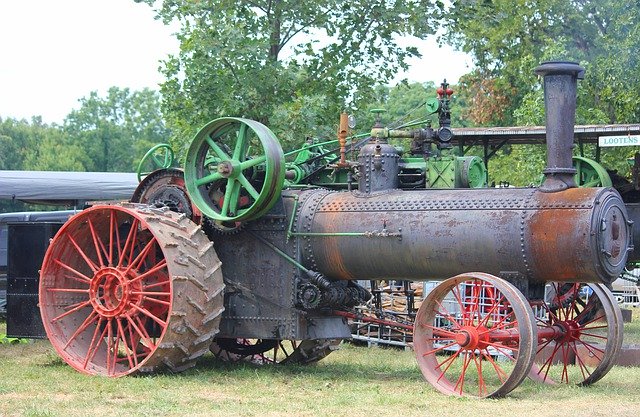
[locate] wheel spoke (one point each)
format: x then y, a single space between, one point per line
448 315
449 361
502 375
217 150
499 348
91 352
143 335
129 242
114 236
252 162
85 324
68 268
150 293
73 310
239 150
228 196
121 334
97 242
482 387
76 279
549 361
463 311
141 256
84 256
433 351
247 186
581 364
501 324
155 300
110 349
150 315
463 373
591 348
70 290
439 330
216 176
496 304
158 267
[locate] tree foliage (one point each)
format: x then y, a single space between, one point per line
293 65
509 38
115 131
107 133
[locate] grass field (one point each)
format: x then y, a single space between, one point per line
354 382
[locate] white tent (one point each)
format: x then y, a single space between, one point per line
50 186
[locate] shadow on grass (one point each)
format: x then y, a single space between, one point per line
209 366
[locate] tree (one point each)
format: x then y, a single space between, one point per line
509 38
293 65
115 131
21 140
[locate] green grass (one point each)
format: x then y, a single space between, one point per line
354 381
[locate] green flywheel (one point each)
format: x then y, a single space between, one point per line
589 173
234 170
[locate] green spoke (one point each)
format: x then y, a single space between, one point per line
252 162
239 150
231 186
247 186
235 198
217 149
209 179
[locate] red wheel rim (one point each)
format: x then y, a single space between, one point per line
580 335
105 291
474 336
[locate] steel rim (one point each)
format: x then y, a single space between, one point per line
474 336
235 169
591 337
106 293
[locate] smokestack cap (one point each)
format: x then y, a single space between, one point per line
559 68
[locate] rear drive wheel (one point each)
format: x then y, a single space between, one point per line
129 288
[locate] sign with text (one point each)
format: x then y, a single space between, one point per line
627 140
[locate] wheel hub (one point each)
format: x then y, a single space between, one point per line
472 338
111 292
571 329
229 169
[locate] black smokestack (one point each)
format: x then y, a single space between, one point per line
560 84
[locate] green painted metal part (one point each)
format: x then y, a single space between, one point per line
590 173
432 105
450 171
161 160
312 165
471 172
234 170
441 172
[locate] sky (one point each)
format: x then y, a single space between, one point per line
54 52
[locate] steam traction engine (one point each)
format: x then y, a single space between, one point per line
250 256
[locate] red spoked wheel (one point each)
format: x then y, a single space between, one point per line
273 351
130 288
474 336
580 334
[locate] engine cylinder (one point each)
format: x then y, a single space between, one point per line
576 235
